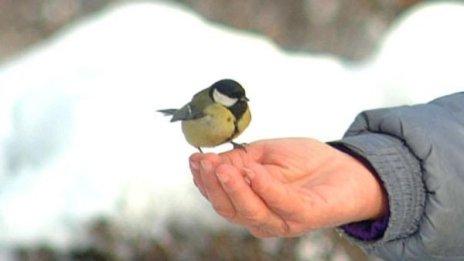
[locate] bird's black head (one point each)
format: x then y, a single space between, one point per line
228 92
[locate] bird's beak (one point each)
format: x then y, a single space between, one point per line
245 99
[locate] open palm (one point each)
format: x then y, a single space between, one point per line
287 187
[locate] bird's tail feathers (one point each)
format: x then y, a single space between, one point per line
168 112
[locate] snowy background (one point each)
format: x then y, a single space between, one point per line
79 132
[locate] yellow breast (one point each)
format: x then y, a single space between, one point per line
215 128
243 122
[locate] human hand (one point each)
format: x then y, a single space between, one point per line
288 187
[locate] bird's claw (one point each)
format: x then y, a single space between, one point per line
239 145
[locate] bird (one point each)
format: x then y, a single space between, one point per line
215 115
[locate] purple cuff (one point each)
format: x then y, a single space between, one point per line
367 230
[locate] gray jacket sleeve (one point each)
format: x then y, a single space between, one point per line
418 154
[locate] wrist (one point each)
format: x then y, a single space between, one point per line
369 198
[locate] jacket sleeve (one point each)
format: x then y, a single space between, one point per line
418 154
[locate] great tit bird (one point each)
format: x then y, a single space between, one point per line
214 116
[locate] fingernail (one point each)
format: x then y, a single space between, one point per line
223 177
205 165
194 165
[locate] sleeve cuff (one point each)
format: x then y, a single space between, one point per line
399 171
367 230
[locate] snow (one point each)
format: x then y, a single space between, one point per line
79 132
422 58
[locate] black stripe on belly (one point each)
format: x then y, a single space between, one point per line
237 110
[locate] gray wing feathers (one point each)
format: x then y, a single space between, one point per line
192 110
185 113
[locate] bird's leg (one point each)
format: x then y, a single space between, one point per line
239 145
199 149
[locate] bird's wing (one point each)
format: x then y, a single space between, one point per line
194 109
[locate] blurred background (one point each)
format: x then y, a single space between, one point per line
90 171
348 29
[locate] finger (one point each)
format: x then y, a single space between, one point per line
196 169
273 192
212 187
199 184
194 163
234 157
250 209
252 152
260 232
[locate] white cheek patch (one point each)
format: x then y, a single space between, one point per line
223 99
